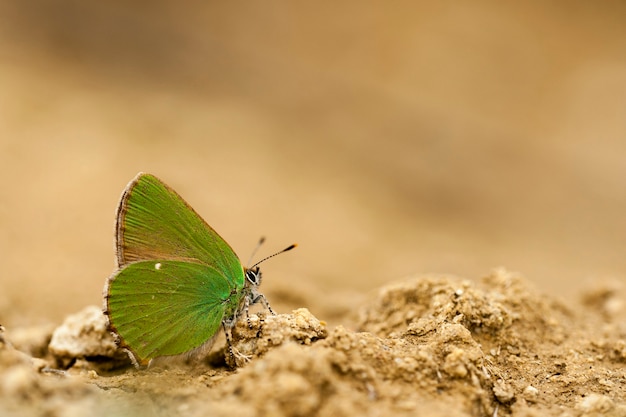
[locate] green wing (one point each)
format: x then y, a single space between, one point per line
155 223
166 307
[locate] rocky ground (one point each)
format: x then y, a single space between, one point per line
431 345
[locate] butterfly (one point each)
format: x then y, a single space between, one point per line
177 281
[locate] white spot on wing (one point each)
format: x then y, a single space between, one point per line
157 266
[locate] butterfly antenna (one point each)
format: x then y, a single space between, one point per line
256 249
288 248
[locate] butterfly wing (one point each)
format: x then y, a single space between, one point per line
154 222
161 308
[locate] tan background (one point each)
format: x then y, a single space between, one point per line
385 138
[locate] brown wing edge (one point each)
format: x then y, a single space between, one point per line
120 213
119 220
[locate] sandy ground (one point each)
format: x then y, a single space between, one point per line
409 150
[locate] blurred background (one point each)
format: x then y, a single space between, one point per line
386 138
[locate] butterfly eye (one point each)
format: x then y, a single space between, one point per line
253 275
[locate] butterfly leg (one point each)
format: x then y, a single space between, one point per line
229 345
234 356
260 298
246 308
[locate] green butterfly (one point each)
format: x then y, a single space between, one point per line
177 281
